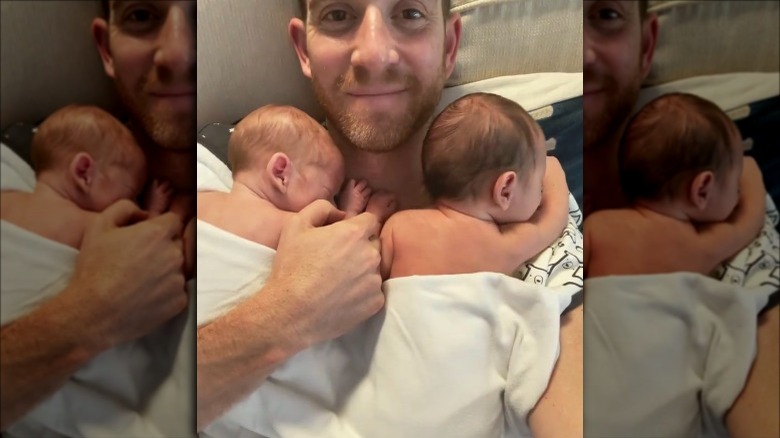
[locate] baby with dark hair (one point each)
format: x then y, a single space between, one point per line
484 165
695 200
84 160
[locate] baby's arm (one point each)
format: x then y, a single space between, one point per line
158 198
721 240
524 240
354 197
357 197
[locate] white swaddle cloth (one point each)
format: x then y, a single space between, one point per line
140 388
668 354
463 349
460 355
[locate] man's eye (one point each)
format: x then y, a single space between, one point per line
608 14
139 15
335 16
412 14
140 19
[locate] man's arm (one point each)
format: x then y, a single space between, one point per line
754 413
526 239
722 240
324 281
559 412
127 281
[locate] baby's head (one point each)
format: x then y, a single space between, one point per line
286 154
682 149
486 149
89 155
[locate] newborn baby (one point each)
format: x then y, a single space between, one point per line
695 200
282 160
84 160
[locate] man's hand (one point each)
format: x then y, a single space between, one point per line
130 277
327 276
324 281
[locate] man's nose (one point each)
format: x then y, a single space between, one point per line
375 45
176 50
588 52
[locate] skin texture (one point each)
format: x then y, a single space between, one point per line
661 238
618 52
376 49
128 278
628 55
449 239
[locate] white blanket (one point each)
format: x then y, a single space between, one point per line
461 355
141 388
666 355
447 356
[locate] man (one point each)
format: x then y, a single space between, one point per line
378 68
619 42
128 279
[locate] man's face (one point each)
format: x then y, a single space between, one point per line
148 48
378 66
617 56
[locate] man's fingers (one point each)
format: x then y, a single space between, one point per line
171 223
319 213
369 223
123 212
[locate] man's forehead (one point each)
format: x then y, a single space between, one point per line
318 4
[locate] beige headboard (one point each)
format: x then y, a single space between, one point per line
704 37
48 59
245 58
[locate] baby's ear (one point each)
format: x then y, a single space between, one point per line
701 189
82 170
280 169
504 189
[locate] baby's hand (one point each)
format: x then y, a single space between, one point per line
382 205
354 197
159 197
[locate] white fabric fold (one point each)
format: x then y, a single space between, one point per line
140 388
666 354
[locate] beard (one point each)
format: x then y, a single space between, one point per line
374 131
167 128
618 100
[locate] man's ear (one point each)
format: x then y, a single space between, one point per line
504 189
280 169
649 39
82 170
452 34
701 189
100 35
297 31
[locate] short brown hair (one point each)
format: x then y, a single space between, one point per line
303 6
81 128
643 9
671 140
473 141
274 128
